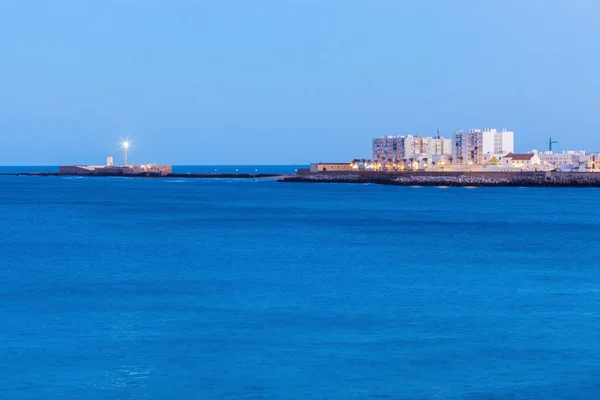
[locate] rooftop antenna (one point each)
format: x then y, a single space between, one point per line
550 143
126 144
438 132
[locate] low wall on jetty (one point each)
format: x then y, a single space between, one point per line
438 178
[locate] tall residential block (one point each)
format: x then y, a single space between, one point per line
409 146
479 146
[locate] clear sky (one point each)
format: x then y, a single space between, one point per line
289 81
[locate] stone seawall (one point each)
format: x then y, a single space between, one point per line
518 179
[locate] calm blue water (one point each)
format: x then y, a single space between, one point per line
183 169
221 289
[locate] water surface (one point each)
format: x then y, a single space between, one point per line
181 169
251 289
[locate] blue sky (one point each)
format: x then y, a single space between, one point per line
289 81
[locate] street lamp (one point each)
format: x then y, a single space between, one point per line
442 164
470 166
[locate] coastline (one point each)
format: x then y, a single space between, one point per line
482 179
152 175
411 178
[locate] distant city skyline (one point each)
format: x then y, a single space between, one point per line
289 82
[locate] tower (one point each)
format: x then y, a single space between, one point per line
126 144
438 132
109 161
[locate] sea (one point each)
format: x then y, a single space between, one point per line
133 288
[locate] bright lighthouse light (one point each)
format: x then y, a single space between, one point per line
126 144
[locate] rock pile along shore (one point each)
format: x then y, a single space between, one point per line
541 179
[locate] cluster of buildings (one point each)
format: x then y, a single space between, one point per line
410 146
110 169
474 147
116 170
472 150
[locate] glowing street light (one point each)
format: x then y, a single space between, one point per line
470 165
126 144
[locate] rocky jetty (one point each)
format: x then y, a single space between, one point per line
152 175
514 179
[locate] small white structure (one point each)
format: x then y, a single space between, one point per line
526 162
109 161
495 162
332 167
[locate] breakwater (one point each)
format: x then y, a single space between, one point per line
514 179
153 175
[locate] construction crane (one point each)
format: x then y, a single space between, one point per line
550 143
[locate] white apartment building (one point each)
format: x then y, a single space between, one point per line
388 147
440 147
479 146
409 146
416 146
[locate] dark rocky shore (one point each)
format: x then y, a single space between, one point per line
507 179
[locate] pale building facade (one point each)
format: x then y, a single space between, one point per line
404 148
558 160
583 163
388 147
440 147
478 146
416 147
325 167
526 162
